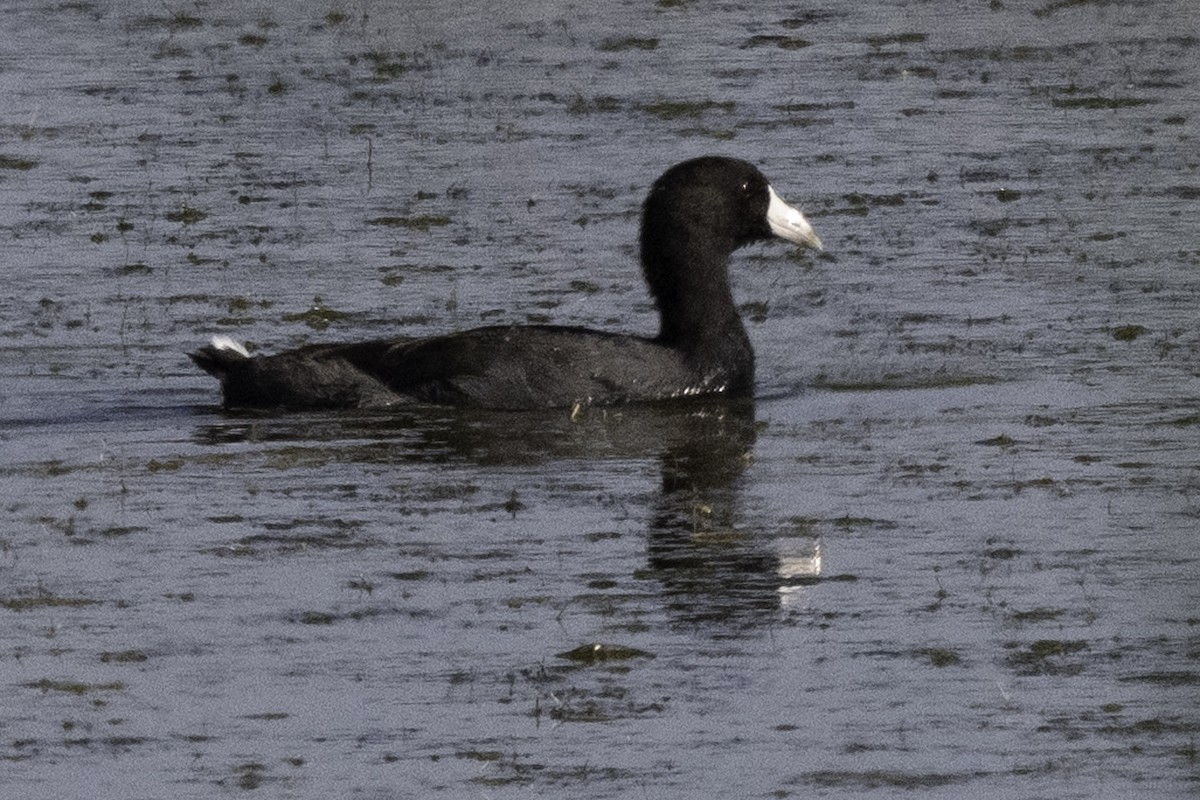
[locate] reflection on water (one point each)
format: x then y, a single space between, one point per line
714 563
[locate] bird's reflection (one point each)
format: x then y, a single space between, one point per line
717 563
714 561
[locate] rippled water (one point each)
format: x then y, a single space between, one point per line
950 551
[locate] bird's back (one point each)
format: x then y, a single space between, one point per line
502 367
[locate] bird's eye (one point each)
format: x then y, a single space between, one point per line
746 187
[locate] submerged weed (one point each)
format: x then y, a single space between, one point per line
583 105
44 599
590 654
586 287
317 316
186 215
1035 615
1058 5
880 779
681 109
891 381
1003 440
421 222
181 21
361 585
414 575
615 45
1045 657
896 38
1165 678
938 656
755 310
1127 333
782 42
250 776
1101 103
387 66
74 687
17 163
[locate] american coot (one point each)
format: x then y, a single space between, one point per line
695 216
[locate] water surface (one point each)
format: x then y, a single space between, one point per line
950 551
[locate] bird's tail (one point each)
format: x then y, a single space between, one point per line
220 356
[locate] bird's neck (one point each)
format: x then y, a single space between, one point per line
690 284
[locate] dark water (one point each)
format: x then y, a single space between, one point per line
951 551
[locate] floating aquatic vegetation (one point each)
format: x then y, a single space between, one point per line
250 776
45 600
881 779
782 42
421 222
617 44
387 66
1105 103
1164 678
113 531
413 575
583 105
74 687
317 316
1035 615
893 381
937 656
1127 333
98 201
858 199
587 287
1003 440
679 109
600 653
990 227
1059 5
186 215
179 21
896 38
755 310
1045 657
17 163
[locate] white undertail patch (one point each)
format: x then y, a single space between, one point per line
223 342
